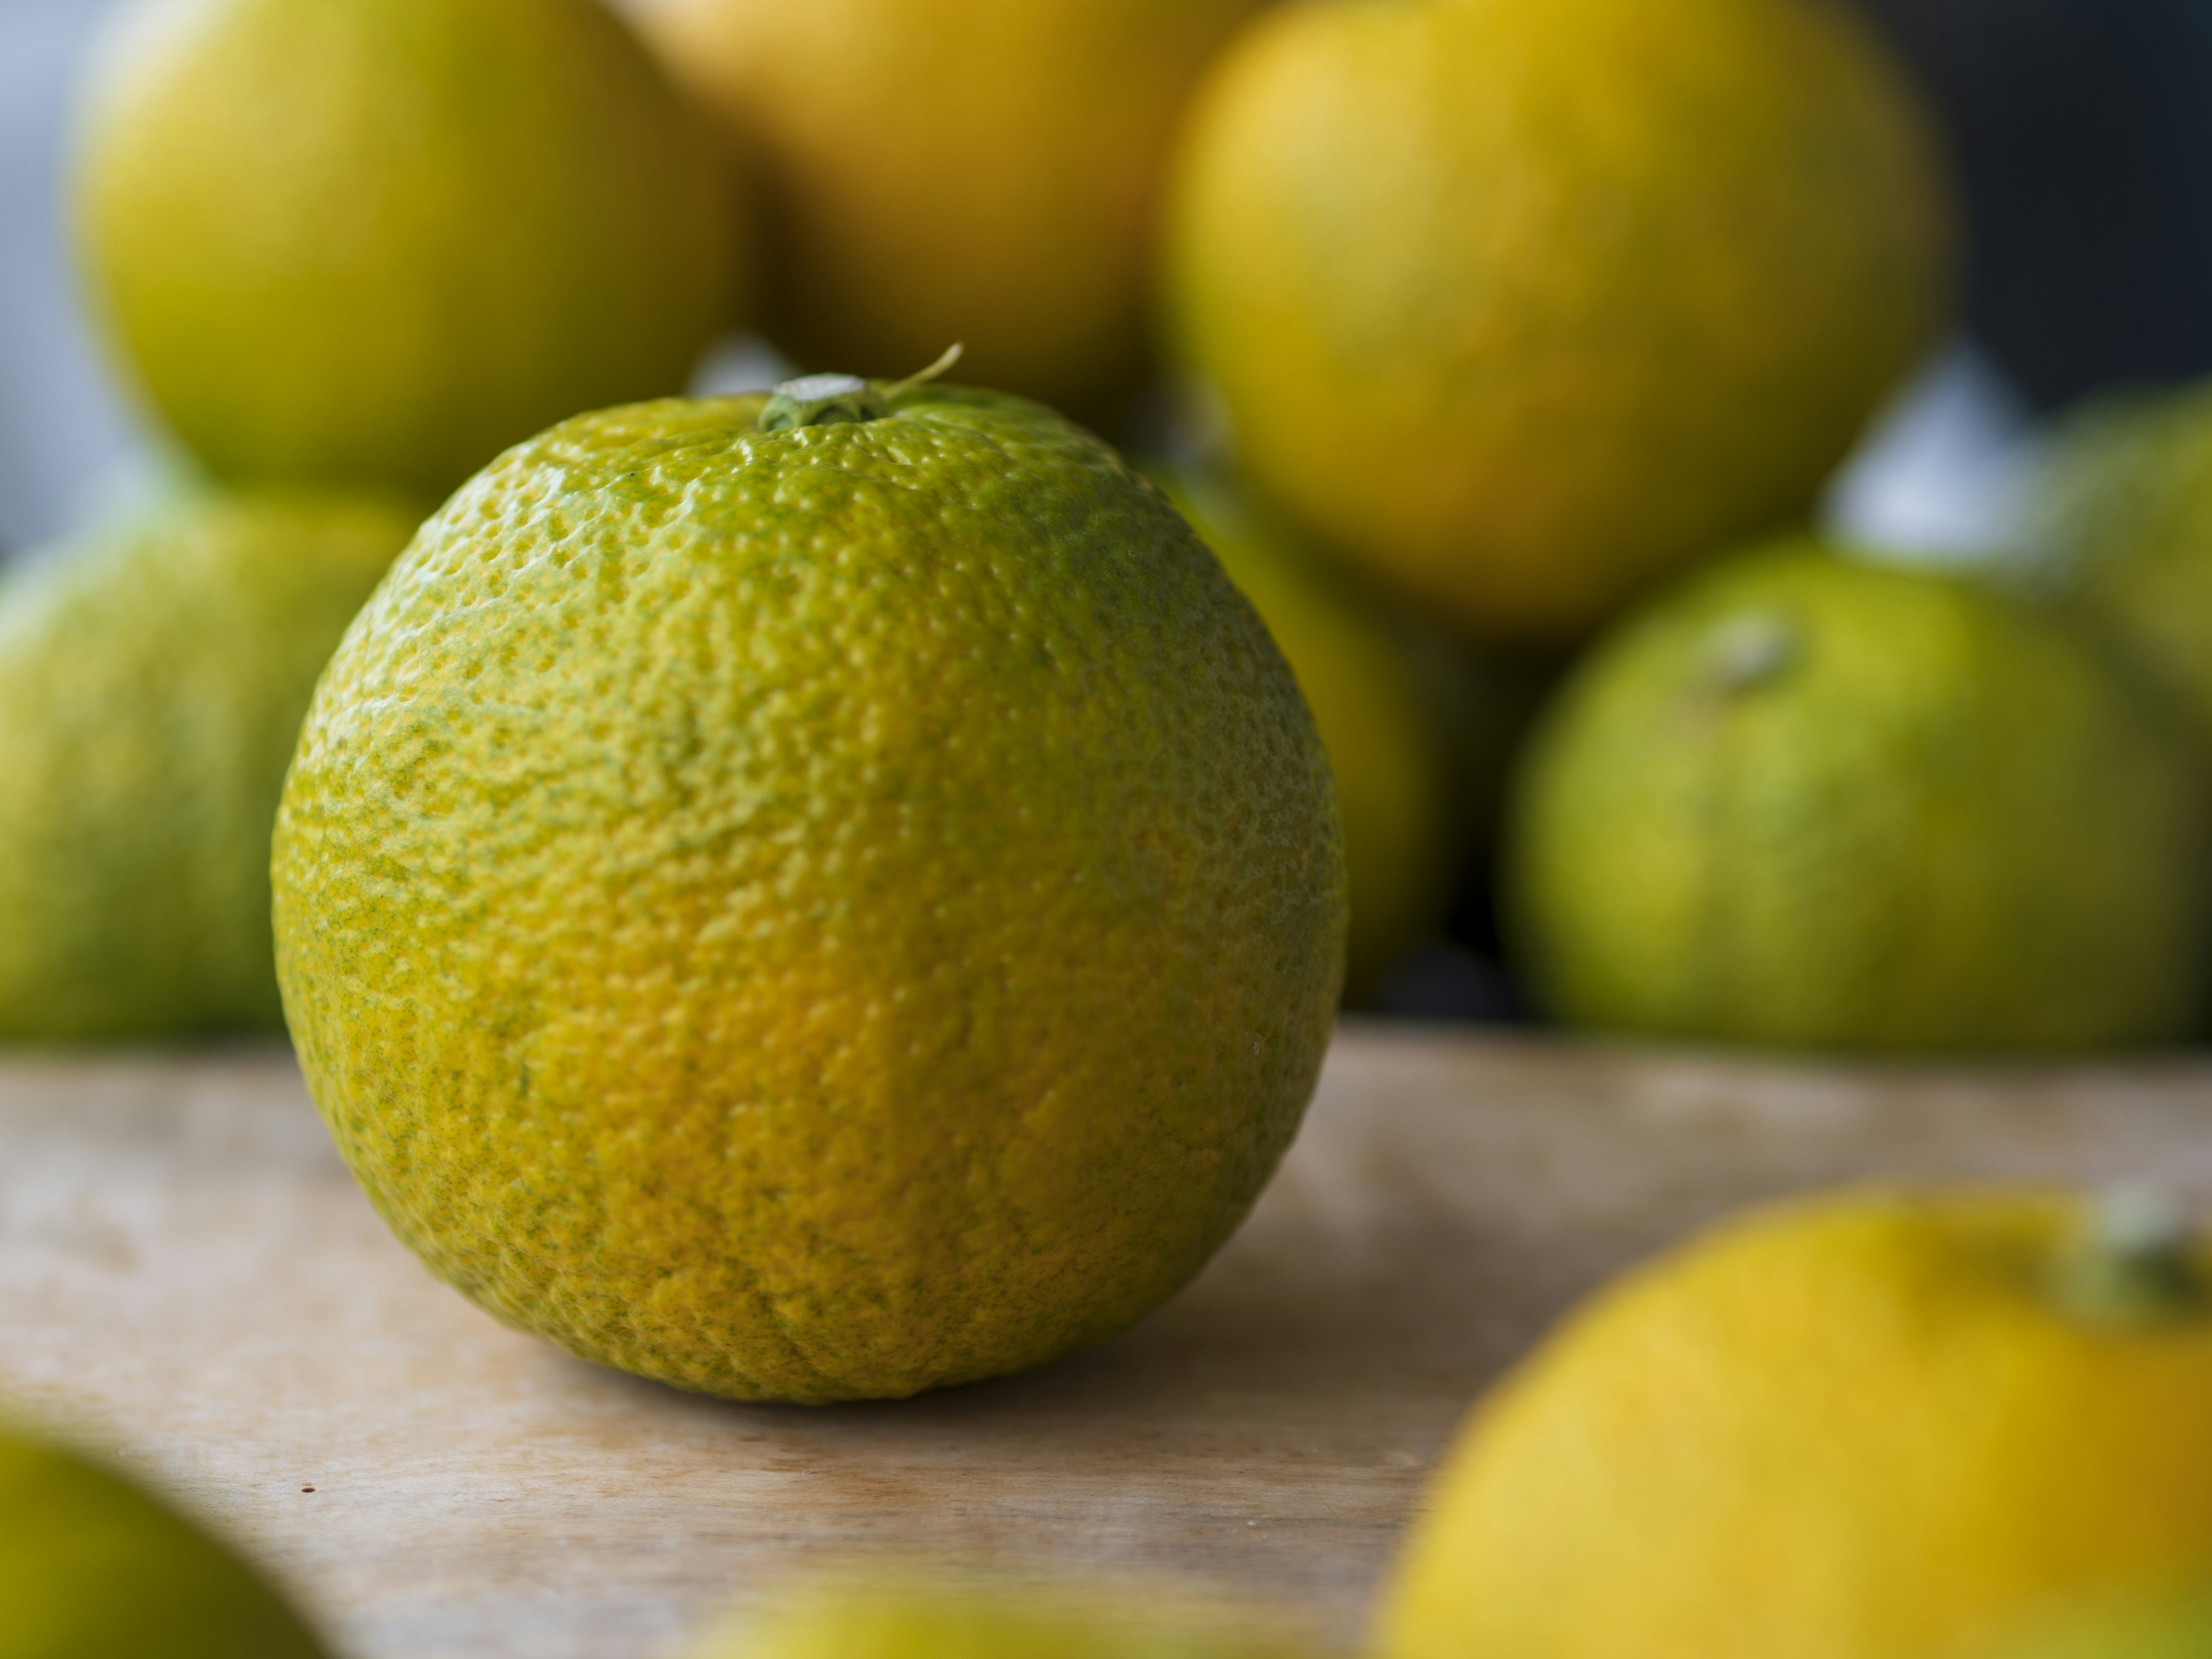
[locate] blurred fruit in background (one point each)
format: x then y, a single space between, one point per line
2118 533
2176 1624
985 172
152 683
1864 1427
1809 800
1417 735
812 898
92 1568
1524 305
922 1617
377 241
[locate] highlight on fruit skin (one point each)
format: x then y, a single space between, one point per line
153 676
1875 1424
92 1567
1523 306
980 170
374 242
944 1613
816 913
1810 800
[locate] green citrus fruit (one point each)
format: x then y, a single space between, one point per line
92 1568
986 171
811 900
891 1619
1867 1427
1809 800
1524 306
2120 534
1414 735
152 683
377 241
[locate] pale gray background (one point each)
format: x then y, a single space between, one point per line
65 436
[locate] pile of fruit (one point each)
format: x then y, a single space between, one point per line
844 889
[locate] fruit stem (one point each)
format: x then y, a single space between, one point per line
945 359
2135 1262
841 399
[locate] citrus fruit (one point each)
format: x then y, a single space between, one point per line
2119 534
1524 305
1871 1425
92 1568
377 241
152 682
814 898
986 171
1400 711
1815 801
892 1620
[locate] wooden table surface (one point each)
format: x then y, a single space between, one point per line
188 1277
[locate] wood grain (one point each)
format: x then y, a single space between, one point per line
189 1279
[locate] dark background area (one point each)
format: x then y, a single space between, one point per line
2081 131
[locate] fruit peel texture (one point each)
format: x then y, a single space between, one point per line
814 914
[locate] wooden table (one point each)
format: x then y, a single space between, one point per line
188 1276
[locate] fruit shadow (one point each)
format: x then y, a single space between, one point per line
1296 1332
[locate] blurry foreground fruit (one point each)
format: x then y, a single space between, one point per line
1524 305
91 1568
986 171
1806 800
892 1620
152 683
378 241
2121 534
812 902
1872 1427
1397 710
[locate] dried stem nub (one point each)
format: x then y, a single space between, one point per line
841 399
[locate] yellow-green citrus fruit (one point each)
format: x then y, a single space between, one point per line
811 911
1525 305
984 171
2176 1625
1390 697
1809 799
889 1619
152 683
2120 534
92 1568
377 241
1873 1425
